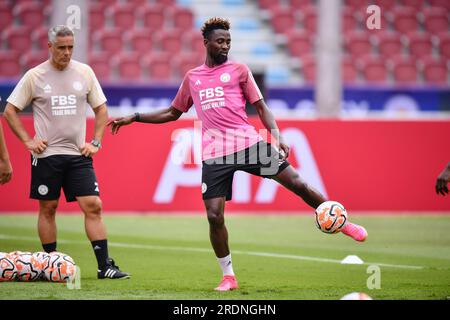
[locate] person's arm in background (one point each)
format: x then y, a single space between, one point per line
162 116
442 180
5 165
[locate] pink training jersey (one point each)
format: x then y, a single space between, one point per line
219 95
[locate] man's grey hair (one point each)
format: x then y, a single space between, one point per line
59 31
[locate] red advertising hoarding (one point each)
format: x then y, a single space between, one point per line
366 165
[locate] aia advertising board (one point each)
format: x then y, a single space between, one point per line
365 165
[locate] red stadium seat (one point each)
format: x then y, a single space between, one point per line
170 40
194 41
385 5
9 64
183 18
110 40
349 21
300 4
308 68
39 37
357 5
358 43
404 69
6 16
416 4
129 65
374 69
96 16
389 44
405 19
140 40
123 15
268 4
309 18
440 3
299 43
185 62
444 44
349 69
158 66
99 62
435 19
282 19
17 38
33 58
434 70
420 44
30 14
152 16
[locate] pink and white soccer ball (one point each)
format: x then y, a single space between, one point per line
28 267
8 271
356 296
60 268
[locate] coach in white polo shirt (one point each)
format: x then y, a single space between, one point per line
59 90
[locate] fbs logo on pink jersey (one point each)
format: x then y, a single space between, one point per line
212 98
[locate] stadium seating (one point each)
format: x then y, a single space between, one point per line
404 69
358 43
30 14
389 44
17 38
349 69
109 39
374 69
186 61
158 66
33 58
299 42
182 18
444 44
283 19
97 15
152 16
405 19
139 40
420 44
9 65
435 19
39 38
123 15
6 16
434 70
128 65
99 61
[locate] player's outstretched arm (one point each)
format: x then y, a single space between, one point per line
5 164
162 116
14 122
442 180
270 124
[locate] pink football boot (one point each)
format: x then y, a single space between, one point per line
228 283
355 231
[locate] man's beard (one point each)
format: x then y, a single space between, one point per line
220 58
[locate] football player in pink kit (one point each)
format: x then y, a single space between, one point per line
219 89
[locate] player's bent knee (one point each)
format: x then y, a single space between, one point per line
48 209
94 207
215 218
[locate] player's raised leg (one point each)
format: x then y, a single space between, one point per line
290 179
47 224
96 232
218 235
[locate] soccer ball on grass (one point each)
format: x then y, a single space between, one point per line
331 217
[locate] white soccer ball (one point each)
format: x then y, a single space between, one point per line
60 268
28 267
356 296
8 271
331 217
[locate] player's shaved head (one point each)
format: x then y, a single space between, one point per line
214 24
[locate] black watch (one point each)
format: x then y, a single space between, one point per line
96 143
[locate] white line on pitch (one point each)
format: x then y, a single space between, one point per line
249 253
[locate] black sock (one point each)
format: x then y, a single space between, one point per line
49 247
101 252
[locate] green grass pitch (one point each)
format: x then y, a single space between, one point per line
275 257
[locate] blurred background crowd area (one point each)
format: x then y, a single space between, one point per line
146 42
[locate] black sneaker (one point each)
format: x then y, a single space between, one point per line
112 271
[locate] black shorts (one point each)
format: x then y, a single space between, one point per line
261 159
74 174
